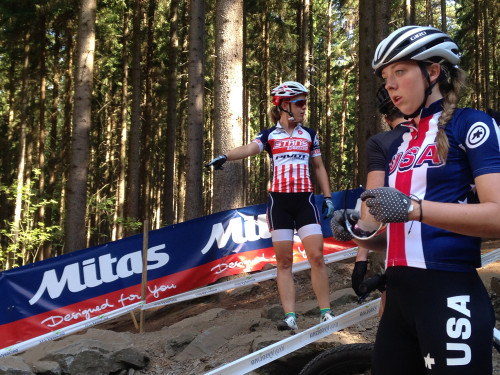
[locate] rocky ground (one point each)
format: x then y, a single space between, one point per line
197 336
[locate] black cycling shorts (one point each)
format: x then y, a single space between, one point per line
291 210
434 322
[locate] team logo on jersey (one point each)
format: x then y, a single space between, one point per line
415 157
285 145
477 135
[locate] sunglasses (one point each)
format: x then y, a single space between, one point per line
299 102
353 228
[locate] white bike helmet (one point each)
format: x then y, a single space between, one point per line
418 43
286 90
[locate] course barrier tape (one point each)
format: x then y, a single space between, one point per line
281 348
57 334
490 257
247 280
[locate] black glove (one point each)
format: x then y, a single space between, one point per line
358 276
375 282
328 207
217 162
339 230
388 205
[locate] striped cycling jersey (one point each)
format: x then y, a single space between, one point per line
415 169
289 156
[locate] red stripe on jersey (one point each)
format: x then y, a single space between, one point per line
275 180
396 250
397 245
283 179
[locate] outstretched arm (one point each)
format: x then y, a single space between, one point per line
242 152
234 154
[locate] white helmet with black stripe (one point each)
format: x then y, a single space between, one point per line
418 43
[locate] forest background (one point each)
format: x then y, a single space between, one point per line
109 109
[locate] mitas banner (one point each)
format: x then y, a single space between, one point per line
58 296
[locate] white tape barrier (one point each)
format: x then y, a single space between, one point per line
247 280
272 352
490 257
57 334
293 343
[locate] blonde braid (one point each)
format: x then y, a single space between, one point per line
452 81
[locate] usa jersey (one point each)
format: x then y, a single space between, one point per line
415 169
289 157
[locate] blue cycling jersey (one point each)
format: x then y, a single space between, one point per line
415 169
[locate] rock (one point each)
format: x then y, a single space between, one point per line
273 312
495 285
14 366
46 368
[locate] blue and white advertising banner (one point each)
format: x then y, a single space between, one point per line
76 290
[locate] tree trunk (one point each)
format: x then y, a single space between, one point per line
264 99
477 52
228 106
194 197
64 153
486 59
146 132
305 41
134 163
410 13
429 19
42 127
444 26
168 206
118 232
21 164
53 165
79 160
367 82
328 132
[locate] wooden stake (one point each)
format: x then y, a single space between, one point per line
144 272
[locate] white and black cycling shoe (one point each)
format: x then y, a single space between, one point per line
287 324
326 317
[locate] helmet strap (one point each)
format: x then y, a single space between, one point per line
428 91
289 112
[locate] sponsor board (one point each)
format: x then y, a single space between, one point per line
83 288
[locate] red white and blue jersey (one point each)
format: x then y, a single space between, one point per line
289 156
415 169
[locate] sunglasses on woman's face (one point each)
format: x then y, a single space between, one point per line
299 102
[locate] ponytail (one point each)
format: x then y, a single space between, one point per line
451 80
274 114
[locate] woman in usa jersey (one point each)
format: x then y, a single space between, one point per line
291 204
441 197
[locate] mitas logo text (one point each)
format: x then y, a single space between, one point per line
240 229
94 272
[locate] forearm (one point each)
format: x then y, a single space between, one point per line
242 152
362 254
479 220
377 243
323 180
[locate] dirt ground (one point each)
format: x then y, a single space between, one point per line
170 329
